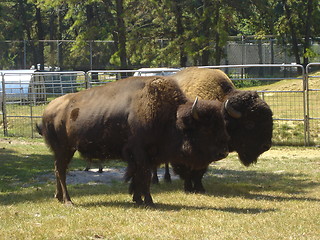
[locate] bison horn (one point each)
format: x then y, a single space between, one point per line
231 111
194 109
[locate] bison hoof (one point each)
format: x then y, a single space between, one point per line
68 203
137 200
149 202
199 191
189 190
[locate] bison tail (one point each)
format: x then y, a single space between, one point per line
39 128
129 177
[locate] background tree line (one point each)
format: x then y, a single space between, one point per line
149 32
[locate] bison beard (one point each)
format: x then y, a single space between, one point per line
248 118
145 121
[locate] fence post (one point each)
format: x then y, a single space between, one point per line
4 108
87 79
306 105
306 86
31 119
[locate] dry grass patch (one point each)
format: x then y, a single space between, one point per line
278 198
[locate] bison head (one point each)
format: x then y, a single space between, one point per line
249 124
204 133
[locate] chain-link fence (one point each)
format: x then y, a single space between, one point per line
293 97
98 54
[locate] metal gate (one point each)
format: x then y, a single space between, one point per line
290 90
313 104
24 96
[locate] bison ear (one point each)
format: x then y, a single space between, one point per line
194 109
231 111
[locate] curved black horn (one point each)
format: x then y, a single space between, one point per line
194 109
231 111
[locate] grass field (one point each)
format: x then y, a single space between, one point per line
278 198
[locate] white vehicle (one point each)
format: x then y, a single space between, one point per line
156 71
21 85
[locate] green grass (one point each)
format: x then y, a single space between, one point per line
278 198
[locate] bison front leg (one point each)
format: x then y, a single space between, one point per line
136 193
140 186
139 172
196 178
146 188
142 176
167 176
155 179
184 173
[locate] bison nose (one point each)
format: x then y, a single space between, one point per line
266 147
223 153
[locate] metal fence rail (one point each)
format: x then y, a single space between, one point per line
25 95
289 91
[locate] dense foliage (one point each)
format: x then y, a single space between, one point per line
150 32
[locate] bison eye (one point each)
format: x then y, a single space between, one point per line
249 125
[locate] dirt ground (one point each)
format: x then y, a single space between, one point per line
110 175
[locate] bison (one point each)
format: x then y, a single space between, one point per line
145 121
248 118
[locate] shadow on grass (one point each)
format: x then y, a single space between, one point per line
235 183
45 193
174 207
4 151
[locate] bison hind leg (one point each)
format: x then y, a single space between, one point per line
167 176
62 160
155 179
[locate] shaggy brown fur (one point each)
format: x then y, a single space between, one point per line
209 84
145 121
250 134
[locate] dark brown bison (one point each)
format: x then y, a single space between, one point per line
248 118
145 121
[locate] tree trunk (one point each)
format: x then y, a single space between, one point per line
294 40
27 29
121 35
308 24
59 37
180 32
206 33
40 37
218 49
